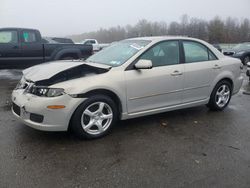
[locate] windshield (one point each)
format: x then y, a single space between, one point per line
118 53
243 46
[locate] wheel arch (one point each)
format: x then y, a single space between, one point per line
106 92
229 80
226 78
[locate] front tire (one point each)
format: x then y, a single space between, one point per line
95 117
220 96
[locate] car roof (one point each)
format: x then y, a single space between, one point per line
170 37
160 38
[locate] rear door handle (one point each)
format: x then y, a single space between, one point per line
176 73
217 67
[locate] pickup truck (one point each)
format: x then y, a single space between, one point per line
21 48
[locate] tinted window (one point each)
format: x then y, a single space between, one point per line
195 52
8 37
164 53
29 36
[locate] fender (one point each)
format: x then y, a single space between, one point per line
120 96
223 75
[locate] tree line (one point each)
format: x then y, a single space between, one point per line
217 30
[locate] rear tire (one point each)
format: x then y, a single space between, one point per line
220 96
95 117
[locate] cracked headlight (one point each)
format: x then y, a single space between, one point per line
46 92
21 84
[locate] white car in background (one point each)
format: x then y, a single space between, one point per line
132 78
96 46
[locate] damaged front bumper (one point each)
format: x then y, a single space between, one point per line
33 110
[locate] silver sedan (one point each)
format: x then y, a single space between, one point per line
131 78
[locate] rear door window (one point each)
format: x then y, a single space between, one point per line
195 52
29 36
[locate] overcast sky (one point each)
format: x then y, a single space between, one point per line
66 17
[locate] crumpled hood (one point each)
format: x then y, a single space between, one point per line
49 70
55 72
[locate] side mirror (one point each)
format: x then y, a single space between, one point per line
144 64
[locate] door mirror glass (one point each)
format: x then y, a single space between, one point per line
144 64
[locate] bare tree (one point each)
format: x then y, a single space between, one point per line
216 30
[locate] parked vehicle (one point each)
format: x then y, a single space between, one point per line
241 51
248 70
132 78
95 44
21 48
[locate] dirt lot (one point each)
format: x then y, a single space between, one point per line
186 148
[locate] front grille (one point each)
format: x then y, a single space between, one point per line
36 118
16 109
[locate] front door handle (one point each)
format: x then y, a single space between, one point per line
216 66
176 73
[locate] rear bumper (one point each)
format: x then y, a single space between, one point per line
237 84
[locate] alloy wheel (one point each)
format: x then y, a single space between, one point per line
97 118
222 95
